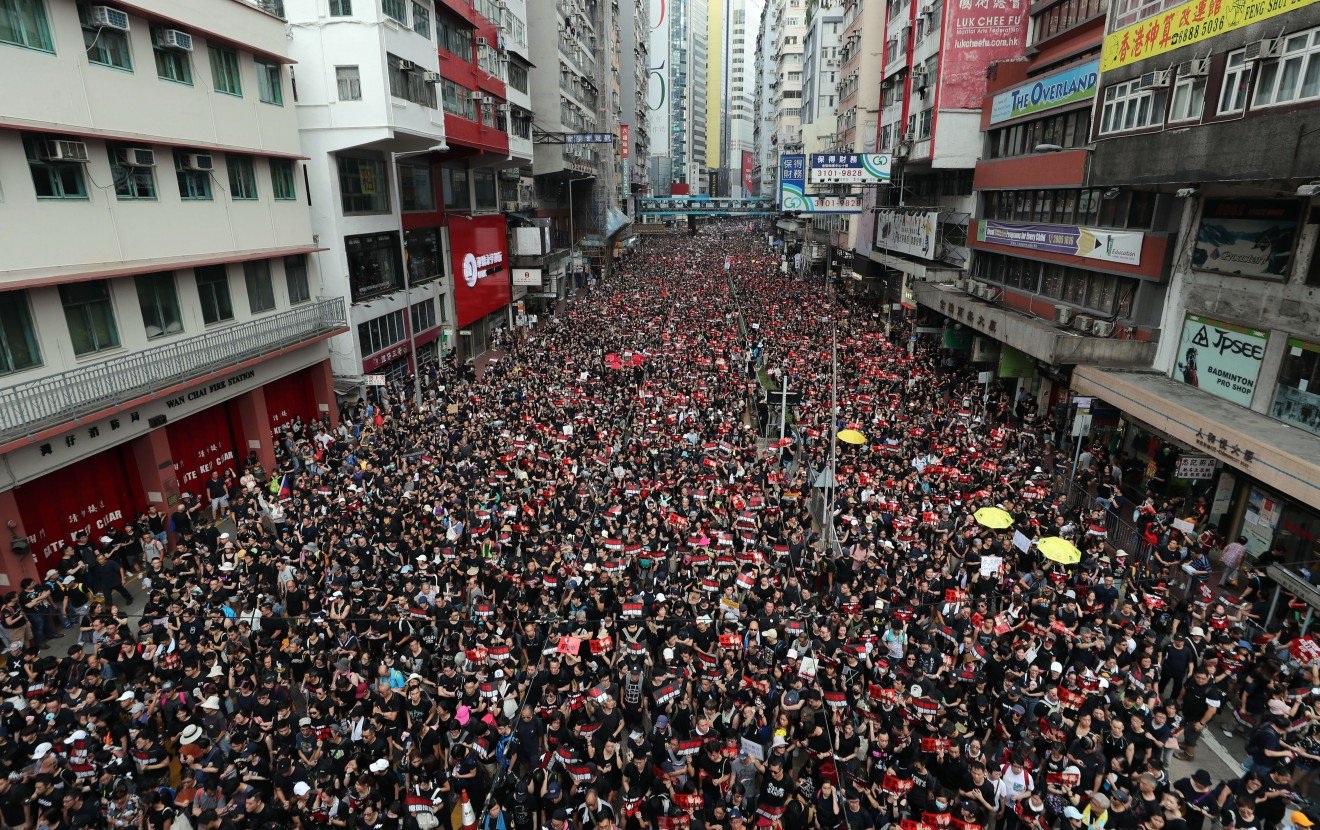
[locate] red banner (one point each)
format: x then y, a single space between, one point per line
748 163
479 249
625 141
975 37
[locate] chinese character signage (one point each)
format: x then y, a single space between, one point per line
907 232
1067 87
530 277
978 33
1220 358
793 182
588 138
625 141
477 248
748 166
1183 25
849 168
1088 243
1195 467
706 207
1251 237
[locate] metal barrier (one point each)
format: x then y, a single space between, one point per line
29 407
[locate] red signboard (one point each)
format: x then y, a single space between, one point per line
625 141
977 33
747 165
91 496
480 252
209 440
679 189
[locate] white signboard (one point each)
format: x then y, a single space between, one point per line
530 277
374 380
1195 467
1220 358
907 232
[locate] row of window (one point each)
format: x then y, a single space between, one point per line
133 180
1068 130
1292 78
1135 209
89 310
1063 16
364 188
374 266
378 334
1104 294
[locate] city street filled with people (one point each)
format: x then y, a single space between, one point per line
592 585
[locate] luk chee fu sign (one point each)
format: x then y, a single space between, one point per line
978 33
479 249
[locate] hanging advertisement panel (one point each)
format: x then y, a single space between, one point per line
748 167
1220 358
907 232
1073 240
975 36
1070 86
849 168
479 248
1250 237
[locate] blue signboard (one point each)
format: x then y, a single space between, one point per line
1066 87
849 168
792 181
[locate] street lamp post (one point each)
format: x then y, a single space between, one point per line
407 273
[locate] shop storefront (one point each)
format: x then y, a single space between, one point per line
482 280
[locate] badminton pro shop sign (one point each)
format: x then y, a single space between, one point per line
1220 358
479 248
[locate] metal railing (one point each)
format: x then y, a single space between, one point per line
30 407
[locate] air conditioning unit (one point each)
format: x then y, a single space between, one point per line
135 157
431 77
1102 328
476 96
1083 323
926 11
1270 47
502 108
404 64
481 41
174 39
62 150
1155 80
107 17
197 162
1062 315
1194 68
902 150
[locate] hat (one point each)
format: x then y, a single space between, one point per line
224 536
212 702
226 567
43 749
703 620
662 722
304 721
1202 778
1101 800
129 695
301 789
770 634
78 735
1301 819
216 671
67 580
1198 631
190 734
1072 813
105 540
379 765
1056 666
52 573
668 654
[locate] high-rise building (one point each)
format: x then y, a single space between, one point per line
679 55
634 52
161 306
766 100
821 57
738 141
857 117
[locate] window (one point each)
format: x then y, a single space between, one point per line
454 37
159 302
295 279
131 181
213 294
194 185
1293 77
455 181
483 186
90 316
171 64
23 23
105 46
242 177
53 179
260 290
423 315
1129 107
349 81
270 89
225 74
341 8
416 191
18 339
397 9
518 76
1237 80
1297 395
424 262
409 83
421 20
281 179
363 185
381 333
373 264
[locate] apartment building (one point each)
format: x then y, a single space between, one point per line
679 55
161 308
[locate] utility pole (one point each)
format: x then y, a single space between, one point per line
783 403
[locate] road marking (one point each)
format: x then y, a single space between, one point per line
1217 748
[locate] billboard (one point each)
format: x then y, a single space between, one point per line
625 141
1072 240
975 36
1251 237
907 232
478 248
748 169
792 182
1220 358
657 79
1185 24
849 168
1067 87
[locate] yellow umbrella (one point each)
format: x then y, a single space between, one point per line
993 518
1059 550
851 436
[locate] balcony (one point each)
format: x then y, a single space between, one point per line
28 408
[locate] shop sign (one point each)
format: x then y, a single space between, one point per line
908 232
527 277
748 169
792 182
625 141
976 34
374 380
1123 247
1185 24
1250 237
1262 517
1014 363
849 168
477 247
1221 447
1067 87
1195 467
390 355
968 316
1220 358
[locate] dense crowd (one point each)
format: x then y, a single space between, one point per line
586 591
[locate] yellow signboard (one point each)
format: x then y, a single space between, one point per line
1190 22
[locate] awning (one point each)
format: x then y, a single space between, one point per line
1275 454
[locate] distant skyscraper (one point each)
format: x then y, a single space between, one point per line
677 92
